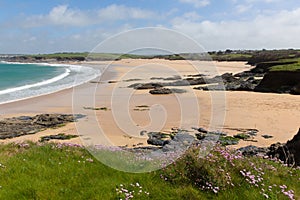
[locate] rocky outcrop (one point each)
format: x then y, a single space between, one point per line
145 86
166 91
280 82
60 136
25 125
289 152
158 138
253 151
233 83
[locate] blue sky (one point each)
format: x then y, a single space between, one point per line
72 25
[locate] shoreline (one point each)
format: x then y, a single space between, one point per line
42 83
244 109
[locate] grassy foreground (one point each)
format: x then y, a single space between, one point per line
52 171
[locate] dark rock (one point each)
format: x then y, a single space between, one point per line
60 136
142 133
228 77
24 118
144 86
253 150
296 89
247 74
157 138
197 75
179 143
280 82
166 91
161 91
52 120
132 79
202 130
242 136
200 136
241 82
25 125
218 87
156 78
252 132
267 136
177 83
186 82
179 91
289 152
176 77
196 81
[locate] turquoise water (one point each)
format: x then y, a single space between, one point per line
15 75
21 81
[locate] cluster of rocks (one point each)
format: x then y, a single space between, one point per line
60 136
156 88
239 82
166 91
180 140
25 125
201 134
245 81
288 153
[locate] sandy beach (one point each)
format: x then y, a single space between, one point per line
127 111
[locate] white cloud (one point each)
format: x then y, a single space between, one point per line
196 3
59 15
63 15
189 16
243 8
120 12
280 30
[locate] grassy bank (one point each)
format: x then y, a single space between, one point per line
51 171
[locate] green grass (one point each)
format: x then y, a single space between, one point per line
231 57
61 55
291 67
50 171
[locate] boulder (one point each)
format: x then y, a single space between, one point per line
289 152
166 91
143 86
161 91
253 150
158 138
280 82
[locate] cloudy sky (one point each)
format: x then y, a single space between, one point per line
34 26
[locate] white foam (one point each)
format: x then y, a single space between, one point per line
74 75
52 80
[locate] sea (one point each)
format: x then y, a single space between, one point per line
21 81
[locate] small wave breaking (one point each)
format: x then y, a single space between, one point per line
72 76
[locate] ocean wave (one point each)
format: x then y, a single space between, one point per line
52 80
73 75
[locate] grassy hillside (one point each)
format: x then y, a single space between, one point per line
51 171
288 67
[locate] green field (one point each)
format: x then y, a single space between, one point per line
51 171
288 67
